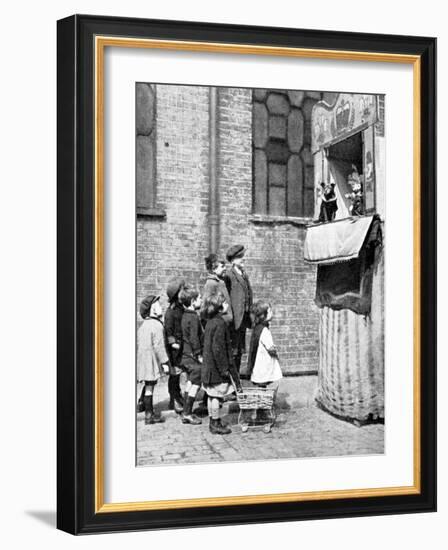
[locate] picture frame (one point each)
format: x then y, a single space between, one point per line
82 40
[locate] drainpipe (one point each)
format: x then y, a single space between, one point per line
213 213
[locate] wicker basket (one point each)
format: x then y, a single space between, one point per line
256 398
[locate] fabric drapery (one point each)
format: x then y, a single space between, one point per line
345 252
350 295
337 241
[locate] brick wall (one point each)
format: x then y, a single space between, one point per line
275 250
178 244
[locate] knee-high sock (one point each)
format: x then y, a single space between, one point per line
193 390
213 408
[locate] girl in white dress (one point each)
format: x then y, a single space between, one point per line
263 365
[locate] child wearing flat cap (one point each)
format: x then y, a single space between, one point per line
240 292
152 358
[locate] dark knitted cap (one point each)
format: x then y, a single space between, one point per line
173 288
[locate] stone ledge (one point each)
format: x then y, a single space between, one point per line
267 219
151 212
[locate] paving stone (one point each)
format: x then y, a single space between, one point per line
303 432
299 431
174 456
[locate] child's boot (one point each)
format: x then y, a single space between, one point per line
187 416
224 426
170 392
177 391
176 401
140 404
217 428
150 416
202 409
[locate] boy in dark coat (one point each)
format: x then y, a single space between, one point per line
240 292
219 374
174 343
192 337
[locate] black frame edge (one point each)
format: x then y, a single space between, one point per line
428 298
66 519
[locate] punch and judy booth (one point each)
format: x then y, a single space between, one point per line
348 248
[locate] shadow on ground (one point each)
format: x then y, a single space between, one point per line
48 517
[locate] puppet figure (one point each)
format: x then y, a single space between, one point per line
356 196
329 204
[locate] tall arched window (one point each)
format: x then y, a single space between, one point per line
283 173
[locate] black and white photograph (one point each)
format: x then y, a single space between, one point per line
260 246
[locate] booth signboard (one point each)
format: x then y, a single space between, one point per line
351 113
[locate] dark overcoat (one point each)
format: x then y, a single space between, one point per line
218 365
192 336
173 332
240 293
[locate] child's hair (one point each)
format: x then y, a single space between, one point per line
213 304
187 295
212 261
260 311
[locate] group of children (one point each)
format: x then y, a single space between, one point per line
204 336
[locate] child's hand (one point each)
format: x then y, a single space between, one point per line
165 368
175 346
200 360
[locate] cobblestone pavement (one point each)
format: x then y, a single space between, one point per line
305 431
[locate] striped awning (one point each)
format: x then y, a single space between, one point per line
338 241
